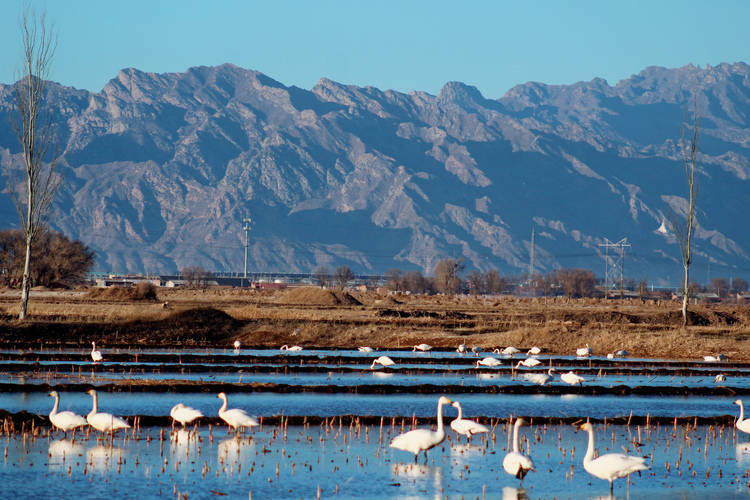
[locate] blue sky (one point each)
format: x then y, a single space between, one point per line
403 45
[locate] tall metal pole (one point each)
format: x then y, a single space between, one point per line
247 222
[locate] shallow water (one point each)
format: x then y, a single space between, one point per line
356 463
421 405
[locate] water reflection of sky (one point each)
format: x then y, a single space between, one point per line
324 404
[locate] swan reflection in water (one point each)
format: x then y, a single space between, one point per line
184 443
382 375
417 473
103 458
466 450
488 376
510 493
62 453
233 453
742 451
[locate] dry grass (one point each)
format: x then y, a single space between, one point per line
315 317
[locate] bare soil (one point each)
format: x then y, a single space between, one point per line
312 317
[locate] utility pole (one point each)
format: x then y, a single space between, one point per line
246 228
531 263
620 245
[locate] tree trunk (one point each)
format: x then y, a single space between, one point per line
26 284
685 297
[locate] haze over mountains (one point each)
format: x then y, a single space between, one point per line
160 170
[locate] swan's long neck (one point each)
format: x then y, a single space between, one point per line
54 408
94 409
515 435
460 412
742 412
590 450
440 418
223 405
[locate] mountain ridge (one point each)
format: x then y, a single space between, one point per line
160 169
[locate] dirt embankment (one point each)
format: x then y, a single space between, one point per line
313 317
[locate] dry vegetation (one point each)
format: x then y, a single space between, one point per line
316 317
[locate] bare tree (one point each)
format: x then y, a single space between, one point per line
476 283
493 282
33 128
739 285
683 229
447 279
343 275
394 279
321 276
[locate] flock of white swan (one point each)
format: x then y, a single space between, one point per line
608 467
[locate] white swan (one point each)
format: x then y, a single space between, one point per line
184 414
64 420
539 378
95 355
104 422
488 361
617 354
237 344
529 363
516 463
461 349
611 465
534 351
235 418
466 427
572 379
294 348
583 352
742 424
421 440
382 360
510 351
422 347
365 349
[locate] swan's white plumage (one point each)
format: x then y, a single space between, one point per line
365 349
510 351
382 360
743 423
235 418
96 355
516 463
461 349
464 426
539 378
104 422
529 363
422 347
488 361
421 440
572 379
611 465
184 414
534 351
294 348
64 420
583 352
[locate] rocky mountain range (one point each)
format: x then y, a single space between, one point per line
160 169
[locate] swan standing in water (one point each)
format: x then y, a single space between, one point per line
237 345
64 420
184 414
104 422
466 427
743 423
488 361
572 379
611 465
539 378
294 348
96 356
422 347
421 440
462 348
516 463
235 418
365 349
382 360
534 351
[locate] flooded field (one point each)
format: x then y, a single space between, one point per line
344 413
